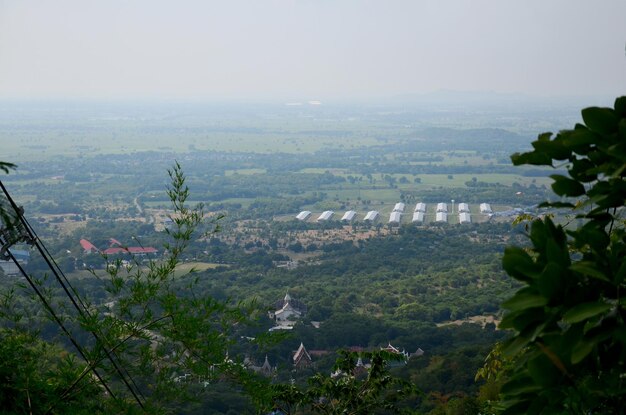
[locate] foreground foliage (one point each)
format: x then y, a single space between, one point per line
348 391
150 345
569 318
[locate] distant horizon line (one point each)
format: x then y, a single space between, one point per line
421 97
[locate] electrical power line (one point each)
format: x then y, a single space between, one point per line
20 230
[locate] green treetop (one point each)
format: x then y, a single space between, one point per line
568 319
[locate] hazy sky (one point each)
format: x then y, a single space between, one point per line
309 49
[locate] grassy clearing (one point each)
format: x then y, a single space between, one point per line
187 267
336 172
245 202
181 269
459 180
244 172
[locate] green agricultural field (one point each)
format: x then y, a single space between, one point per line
459 180
244 172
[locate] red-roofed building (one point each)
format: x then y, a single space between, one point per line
88 247
117 248
114 241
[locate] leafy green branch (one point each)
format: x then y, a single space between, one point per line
569 342
351 389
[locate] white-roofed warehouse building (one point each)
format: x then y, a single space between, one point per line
464 217
485 208
442 207
348 216
304 215
441 217
463 207
420 207
395 217
326 215
399 207
418 217
371 216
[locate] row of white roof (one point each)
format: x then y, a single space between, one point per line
396 214
418 216
372 215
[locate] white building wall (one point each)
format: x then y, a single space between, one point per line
399 207
326 215
304 215
418 217
349 215
372 215
395 217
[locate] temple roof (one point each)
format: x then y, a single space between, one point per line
293 303
300 354
266 365
391 349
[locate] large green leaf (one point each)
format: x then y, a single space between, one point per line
553 149
582 170
564 186
620 107
556 253
584 311
514 346
621 273
543 371
524 299
581 350
520 384
534 157
589 269
518 264
579 140
601 120
551 282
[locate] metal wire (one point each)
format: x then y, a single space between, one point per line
82 311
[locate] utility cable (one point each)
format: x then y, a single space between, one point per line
85 310
82 312
59 322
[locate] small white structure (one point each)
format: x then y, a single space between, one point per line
288 311
399 207
348 216
420 207
395 217
326 215
371 216
485 209
463 207
304 215
418 217
441 217
464 217
442 207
